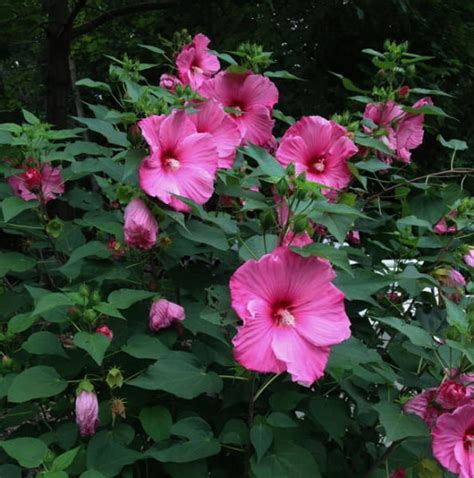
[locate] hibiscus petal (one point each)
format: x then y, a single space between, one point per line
259 90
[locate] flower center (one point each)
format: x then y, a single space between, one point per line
317 164
282 315
171 164
469 440
197 69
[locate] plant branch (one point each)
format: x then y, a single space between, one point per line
120 12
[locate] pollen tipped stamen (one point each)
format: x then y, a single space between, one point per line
172 164
318 165
284 317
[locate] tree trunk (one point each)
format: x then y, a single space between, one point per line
58 77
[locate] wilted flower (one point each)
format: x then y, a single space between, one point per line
33 184
169 82
105 331
353 238
140 227
469 258
117 407
163 313
87 413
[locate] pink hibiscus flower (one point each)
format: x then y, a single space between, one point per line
195 64
33 184
424 406
469 258
250 97
292 314
140 227
163 313
453 441
320 148
211 118
441 227
181 161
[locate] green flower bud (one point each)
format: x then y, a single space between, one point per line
282 187
84 290
114 378
267 219
290 170
124 193
300 224
84 386
54 228
95 298
90 315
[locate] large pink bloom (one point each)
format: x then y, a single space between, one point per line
195 64
182 161
424 406
251 98
34 184
211 118
453 441
320 148
292 314
140 227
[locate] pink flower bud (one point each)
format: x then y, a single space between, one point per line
163 313
87 413
469 258
169 82
404 91
353 238
399 473
32 178
140 228
104 330
454 279
452 394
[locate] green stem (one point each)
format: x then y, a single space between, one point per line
265 386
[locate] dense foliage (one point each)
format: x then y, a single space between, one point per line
124 350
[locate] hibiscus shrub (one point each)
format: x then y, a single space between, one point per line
195 284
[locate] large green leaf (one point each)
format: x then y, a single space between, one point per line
362 284
261 437
268 164
28 452
257 246
49 302
156 421
332 415
15 262
145 347
203 233
397 424
94 344
181 374
12 206
106 129
44 343
417 335
125 298
36 382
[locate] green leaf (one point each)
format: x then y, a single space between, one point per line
92 474
157 422
288 461
28 452
10 471
21 322
96 85
425 91
337 224
200 442
125 298
145 347
65 460
286 75
373 143
223 56
268 164
427 110
350 354
51 301
12 206
153 49
44 343
54 474
348 85
398 425
179 373
15 262
332 415
198 232
412 221
257 246
108 456
373 165
93 248
456 317
106 129
362 284
455 144
337 257
417 335
94 344
30 117
261 437
36 382
280 420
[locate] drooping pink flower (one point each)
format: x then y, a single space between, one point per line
36 184
169 82
292 314
140 227
195 64
469 258
424 406
105 331
454 279
409 131
211 118
87 413
399 473
320 148
453 441
441 228
182 161
353 238
452 394
249 98
163 313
